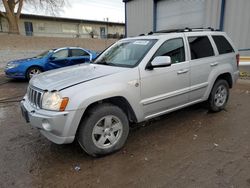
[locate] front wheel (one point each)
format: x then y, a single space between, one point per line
219 96
32 71
104 130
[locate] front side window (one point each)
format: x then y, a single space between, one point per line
173 48
43 54
60 54
223 45
78 52
126 53
200 47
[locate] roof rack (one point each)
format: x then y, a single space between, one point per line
187 29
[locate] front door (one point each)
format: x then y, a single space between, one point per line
165 88
28 28
102 32
59 59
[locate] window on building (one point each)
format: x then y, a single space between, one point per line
69 28
86 29
78 52
173 48
223 45
41 26
60 54
200 47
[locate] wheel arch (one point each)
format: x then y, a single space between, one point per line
32 66
213 78
119 101
226 76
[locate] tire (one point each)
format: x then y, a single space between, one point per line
104 130
32 71
219 96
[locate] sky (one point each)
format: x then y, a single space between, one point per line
90 9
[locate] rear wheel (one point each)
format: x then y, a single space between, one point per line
219 96
104 130
32 71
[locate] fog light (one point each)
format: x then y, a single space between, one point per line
46 125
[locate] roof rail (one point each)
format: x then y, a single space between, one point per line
187 29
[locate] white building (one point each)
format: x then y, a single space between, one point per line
232 16
36 25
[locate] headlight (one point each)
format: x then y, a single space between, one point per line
11 65
54 101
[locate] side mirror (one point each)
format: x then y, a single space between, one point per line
160 61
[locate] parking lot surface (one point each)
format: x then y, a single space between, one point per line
187 148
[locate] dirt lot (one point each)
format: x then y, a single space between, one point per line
187 148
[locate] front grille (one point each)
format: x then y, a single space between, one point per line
35 97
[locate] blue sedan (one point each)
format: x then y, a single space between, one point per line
52 59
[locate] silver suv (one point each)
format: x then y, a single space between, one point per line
134 80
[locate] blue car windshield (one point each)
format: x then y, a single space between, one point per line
126 53
43 54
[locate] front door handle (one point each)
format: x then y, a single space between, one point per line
182 71
213 64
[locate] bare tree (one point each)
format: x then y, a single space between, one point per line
13 9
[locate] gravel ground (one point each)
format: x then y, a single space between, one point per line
188 148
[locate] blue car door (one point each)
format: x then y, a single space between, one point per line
58 59
78 56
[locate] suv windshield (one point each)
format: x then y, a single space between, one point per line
126 53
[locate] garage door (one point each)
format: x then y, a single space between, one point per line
172 14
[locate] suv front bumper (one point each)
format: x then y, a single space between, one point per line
55 126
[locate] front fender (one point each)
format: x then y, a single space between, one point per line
129 92
124 84
80 101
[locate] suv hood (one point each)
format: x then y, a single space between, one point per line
63 78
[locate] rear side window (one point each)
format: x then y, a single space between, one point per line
223 45
200 47
61 54
78 52
173 48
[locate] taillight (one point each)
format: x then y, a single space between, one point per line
238 59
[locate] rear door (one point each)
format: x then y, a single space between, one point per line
202 61
78 56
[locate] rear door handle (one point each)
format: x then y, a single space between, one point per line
182 71
213 64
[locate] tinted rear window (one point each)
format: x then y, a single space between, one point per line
200 47
223 45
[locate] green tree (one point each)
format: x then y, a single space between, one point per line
13 9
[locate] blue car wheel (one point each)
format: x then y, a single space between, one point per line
32 71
